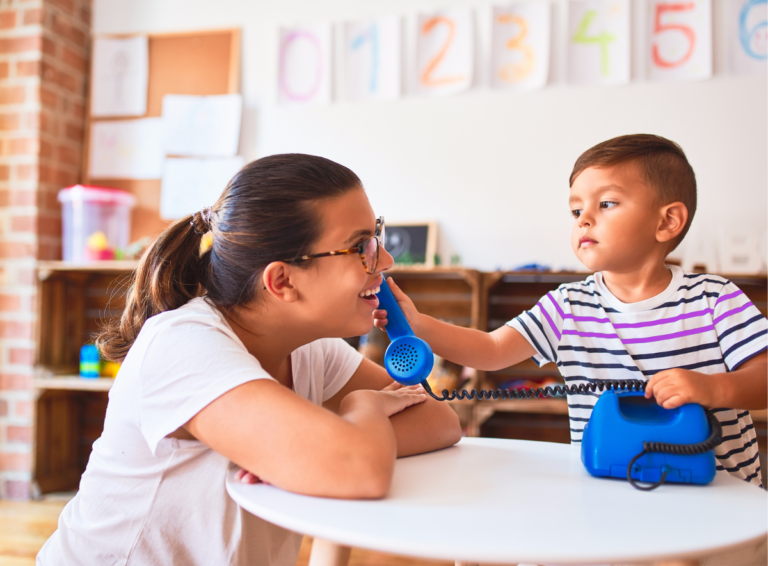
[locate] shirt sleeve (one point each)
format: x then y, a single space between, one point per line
741 328
340 362
542 326
186 366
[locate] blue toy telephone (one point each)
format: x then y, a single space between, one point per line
627 436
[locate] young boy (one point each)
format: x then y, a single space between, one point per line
695 338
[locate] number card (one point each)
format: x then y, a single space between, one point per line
304 66
372 59
520 46
679 39
747 22
598 48
445 52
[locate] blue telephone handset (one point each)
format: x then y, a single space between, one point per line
408 359
627 436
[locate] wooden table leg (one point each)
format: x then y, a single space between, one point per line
326 553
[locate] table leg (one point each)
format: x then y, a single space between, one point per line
326 553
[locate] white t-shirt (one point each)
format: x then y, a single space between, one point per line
145 499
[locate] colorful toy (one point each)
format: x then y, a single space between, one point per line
90 361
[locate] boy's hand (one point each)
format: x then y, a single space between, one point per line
406 305
675 387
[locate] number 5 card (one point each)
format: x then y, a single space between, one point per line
679 39
598 46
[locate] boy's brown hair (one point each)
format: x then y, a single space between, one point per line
660 161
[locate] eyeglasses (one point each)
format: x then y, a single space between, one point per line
367 249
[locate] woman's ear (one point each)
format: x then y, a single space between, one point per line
276 280
672 221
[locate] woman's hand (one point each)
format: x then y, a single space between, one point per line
406 305
391 400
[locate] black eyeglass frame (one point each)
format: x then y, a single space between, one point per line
378 236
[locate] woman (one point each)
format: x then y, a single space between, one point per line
235 356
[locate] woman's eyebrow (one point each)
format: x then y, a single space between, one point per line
357 234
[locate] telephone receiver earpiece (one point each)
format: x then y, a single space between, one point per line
408 359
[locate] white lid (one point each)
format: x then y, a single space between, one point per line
96 194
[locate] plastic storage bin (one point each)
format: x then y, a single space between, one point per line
96 222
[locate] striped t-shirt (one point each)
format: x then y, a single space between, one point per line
701 322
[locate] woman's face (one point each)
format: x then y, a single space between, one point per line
332 290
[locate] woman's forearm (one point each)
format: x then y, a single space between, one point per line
425 427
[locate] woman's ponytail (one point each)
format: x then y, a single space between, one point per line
168 276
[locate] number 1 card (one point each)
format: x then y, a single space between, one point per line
598 47
372 59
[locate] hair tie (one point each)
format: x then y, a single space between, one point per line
203 225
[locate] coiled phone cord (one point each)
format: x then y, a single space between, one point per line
715 436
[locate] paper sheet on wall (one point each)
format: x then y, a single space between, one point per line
120 76
747 36
372 59
445 43
202 125
520 46
190 184
598 42
304 66
679 39
126 149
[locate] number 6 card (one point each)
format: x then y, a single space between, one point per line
679 39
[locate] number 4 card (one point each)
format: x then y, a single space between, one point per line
679 39
598 48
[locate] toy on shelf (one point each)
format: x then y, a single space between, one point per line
96 223
90 361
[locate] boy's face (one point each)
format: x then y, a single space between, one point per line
616 216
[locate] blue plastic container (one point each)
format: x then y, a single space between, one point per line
621 422
90 361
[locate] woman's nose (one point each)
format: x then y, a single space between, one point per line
386 261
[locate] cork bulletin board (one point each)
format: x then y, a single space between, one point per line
197 63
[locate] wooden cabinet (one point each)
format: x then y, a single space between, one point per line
70 410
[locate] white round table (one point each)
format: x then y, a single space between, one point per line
510 501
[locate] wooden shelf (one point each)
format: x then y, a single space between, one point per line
46 268
544 406
74 383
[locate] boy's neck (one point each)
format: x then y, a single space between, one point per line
639 284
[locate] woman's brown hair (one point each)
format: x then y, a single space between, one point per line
267 212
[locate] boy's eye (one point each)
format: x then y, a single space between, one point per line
576 212
608 204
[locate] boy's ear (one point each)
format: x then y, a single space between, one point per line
673 218
277 282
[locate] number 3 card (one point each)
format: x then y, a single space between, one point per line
520 46
598 47
679 39
445 52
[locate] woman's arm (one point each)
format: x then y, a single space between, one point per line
293 444
421 428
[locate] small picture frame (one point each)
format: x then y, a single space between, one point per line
412 244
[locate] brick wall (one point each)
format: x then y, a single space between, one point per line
44 49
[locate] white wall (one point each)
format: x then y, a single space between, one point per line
492 168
